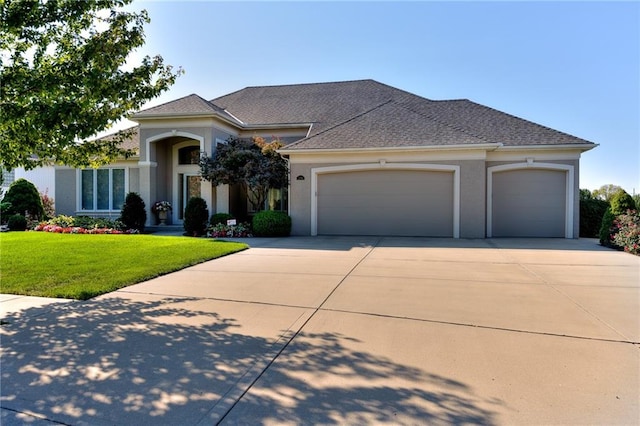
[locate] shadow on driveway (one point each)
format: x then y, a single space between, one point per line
177 360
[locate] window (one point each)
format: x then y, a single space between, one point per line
189 155
102 189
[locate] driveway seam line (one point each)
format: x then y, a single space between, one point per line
486 327
557 290
296 333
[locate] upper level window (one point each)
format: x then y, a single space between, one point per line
189 155
102 189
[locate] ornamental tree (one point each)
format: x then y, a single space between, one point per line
65 77
252 163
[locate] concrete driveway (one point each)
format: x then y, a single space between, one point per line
343 331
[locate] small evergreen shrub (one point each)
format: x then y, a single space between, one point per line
133 214
195 217
620 203
24 199
591 213
17 222
219 218
270 223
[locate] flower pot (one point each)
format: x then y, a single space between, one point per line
162 217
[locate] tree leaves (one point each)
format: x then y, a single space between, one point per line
62 67
255 164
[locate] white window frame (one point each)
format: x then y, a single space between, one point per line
95 189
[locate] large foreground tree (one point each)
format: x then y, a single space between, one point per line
63 79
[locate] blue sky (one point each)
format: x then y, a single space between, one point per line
572 66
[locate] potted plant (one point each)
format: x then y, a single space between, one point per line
161 209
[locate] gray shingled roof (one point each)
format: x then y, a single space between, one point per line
366 114
185 106
386 126
327 105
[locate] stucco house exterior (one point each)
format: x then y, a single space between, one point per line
365 159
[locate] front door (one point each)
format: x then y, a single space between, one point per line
189 186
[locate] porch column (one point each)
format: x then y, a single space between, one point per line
222 199
148 186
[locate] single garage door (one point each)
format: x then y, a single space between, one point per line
386 202
529 203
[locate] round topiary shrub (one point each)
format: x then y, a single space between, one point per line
133 214
17 222
195 217
24 199
271 223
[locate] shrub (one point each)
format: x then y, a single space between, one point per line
24 199
270 223
219 218
64 221
591 213
620 203
133 214
17 222
627 233
195 217
48 205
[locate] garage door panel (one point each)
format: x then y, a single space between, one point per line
390 202
529 203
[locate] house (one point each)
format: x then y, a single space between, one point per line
365 159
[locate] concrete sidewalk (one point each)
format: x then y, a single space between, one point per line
343 331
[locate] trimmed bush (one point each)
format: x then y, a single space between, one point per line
219 219
591 213
17 222
270 223
620 203
24 199
195 217
133 214
627 234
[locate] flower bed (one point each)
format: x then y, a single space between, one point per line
241 230
44 227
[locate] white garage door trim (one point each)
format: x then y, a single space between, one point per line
382 165
568 221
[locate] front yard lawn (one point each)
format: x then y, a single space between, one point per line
83 266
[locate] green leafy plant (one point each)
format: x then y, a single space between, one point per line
620 203
591 212
195 217
269 223
627 233
219 218
24 199
64 221
17 222
64 80
133 214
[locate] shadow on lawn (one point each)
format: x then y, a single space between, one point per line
118 361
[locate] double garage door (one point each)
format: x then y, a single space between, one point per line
386 202
524 203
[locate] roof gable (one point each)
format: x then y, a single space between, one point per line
186 106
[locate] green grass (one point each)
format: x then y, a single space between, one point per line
84 266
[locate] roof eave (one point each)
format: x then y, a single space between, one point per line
583 147
484 146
